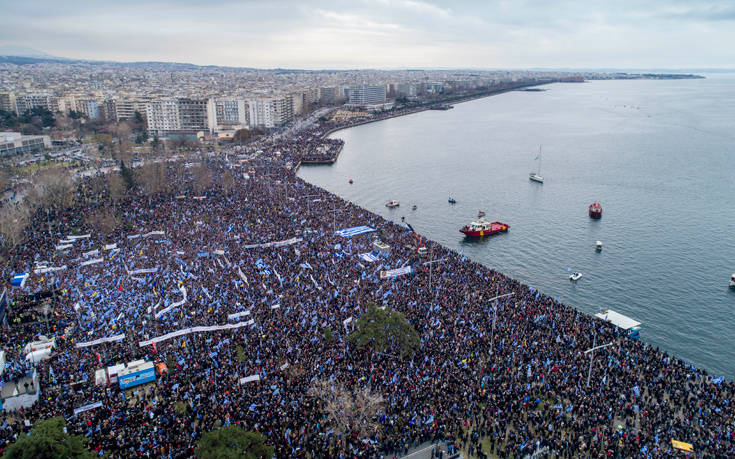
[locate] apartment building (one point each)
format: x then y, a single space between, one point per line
270 112
367 95
28 102
7 101
227 113
181 115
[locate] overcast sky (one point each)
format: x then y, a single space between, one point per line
381 33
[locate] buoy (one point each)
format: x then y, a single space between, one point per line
598 245
350 181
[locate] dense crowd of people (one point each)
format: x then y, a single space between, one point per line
181 260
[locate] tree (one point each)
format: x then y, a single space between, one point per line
103 221
48 440
152 179
127 174
240 136
14 218
115 187
348 410
202 178
382 329
233 442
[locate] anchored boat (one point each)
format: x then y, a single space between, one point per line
536 176
630 326
480 228
392 204
595 210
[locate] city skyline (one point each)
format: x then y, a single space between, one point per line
382 33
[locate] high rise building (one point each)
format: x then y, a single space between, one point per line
192 114
28 102
176 116
272 112
367 95
328 95
227 113
7 101
89 108
162 116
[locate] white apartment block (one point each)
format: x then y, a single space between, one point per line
28 102
367 95
272 112
227 113
176 115
162 116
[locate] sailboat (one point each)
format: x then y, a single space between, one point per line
536 176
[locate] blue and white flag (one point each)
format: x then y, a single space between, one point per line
369 257
19 280
354 231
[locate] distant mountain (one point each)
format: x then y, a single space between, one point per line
23 51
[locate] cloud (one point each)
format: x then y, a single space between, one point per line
382 33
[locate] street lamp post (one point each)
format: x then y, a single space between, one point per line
431 265
591 351
495 318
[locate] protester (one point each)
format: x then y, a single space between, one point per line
180 260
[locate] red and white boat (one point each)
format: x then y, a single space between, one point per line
392 204
480 228
595 210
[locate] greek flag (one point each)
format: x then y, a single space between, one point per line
19 280
354 231
369 257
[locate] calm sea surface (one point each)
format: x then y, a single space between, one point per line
658 155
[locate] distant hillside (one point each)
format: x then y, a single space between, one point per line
23 51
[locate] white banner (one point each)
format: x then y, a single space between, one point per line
163 311
293 240
154 233
237 315
110 246
91 253
83 236
64 246
49 269
347 321
133 236
250 378
142 271
242 276
109 339
186 331
92 262
395 272
84 408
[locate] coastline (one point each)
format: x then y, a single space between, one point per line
407 112
587 315
428 107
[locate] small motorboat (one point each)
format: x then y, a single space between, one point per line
575 276
732 281
452 200
480 214
351 182
598 245
392 204
414 207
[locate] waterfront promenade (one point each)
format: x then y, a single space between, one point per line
200 253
